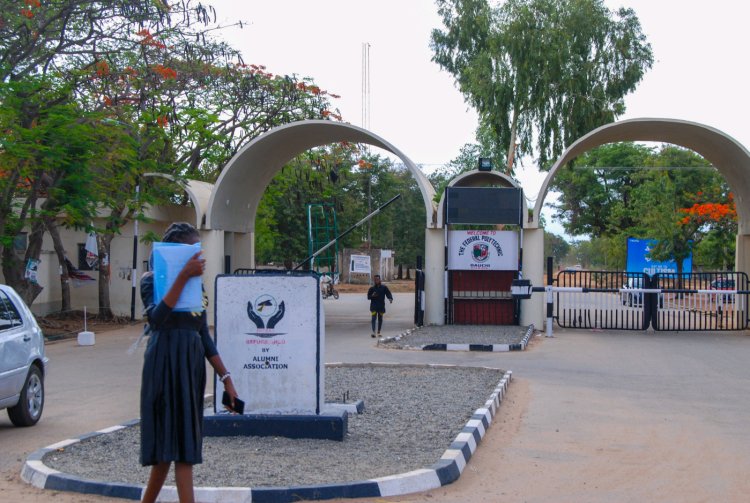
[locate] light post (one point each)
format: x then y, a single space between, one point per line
134 270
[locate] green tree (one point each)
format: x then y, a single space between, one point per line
48 51
546 69
45 166
556 247
308 179
625 190
186 115
323 175
596 190
679 175
164 94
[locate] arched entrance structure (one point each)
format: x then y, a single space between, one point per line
238 190
729 157
230 219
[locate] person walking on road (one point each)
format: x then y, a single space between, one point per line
377 295
174 378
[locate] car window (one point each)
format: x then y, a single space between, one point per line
9 315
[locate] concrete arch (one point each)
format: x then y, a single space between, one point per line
476 178
234 201
198 192
721 150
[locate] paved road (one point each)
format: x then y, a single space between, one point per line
685 391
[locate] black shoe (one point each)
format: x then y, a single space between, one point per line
372 335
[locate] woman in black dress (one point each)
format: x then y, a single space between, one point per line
174 378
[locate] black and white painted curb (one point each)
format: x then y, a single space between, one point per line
496 348
447 469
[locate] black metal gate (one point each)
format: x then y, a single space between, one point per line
701 301
603 305
667 301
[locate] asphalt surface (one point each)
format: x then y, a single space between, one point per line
700 376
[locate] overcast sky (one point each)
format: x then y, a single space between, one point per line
700 73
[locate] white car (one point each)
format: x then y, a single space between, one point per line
632 298
23 364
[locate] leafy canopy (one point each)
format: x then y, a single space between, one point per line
541 73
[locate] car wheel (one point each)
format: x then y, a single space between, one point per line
28 410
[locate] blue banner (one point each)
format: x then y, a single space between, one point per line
639 259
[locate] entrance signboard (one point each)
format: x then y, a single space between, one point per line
639 259
360 264
483 250
269 331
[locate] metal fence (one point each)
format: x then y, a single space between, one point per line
635 301
602 299
701 301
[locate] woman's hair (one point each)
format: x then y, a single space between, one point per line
179 232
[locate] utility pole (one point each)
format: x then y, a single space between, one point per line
366 125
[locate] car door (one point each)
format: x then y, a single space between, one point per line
14 348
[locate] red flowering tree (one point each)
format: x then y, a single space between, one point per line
162 94
715 226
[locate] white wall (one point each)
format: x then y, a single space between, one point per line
121 261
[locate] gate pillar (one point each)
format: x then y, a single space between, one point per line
212 244
434 281
533 309
742 254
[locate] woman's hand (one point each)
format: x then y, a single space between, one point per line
195 266
229 388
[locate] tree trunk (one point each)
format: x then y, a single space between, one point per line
401 271
54 232
105 307
14 268
512 146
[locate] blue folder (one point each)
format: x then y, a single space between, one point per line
169 259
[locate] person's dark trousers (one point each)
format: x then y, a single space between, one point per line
379 317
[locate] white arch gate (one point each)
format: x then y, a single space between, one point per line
230 219
729 157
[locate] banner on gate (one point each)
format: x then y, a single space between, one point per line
639 259
483 250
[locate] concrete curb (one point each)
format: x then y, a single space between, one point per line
446 470
495 348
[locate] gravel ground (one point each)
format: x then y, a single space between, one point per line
457 334
412 414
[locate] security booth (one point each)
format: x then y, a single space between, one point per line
483 236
